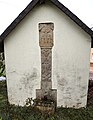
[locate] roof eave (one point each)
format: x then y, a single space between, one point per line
73 17
18 19
32 4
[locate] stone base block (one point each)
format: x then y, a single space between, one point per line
47 94
48 108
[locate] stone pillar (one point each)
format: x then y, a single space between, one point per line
46 44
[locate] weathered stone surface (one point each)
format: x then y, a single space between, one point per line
46 64
49 94
46 85
46 34
46 44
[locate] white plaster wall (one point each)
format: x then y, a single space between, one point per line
71 53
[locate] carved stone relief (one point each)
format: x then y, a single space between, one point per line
46 44
46 64
46 34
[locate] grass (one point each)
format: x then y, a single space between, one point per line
3 101
12 112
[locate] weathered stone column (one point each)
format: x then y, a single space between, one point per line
46 44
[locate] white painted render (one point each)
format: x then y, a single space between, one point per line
71 55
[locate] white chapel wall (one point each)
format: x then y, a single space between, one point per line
70 67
